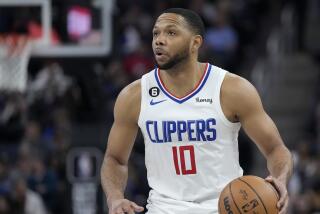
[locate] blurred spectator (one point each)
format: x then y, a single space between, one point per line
4 179
131 40
138 18
61 123
314 196
24 200
139 62
33 144
201 6
4 205
12 115
57 159
114 79
49 84
47 92
22 167
317 118
43 181
221 39
136 26
303 187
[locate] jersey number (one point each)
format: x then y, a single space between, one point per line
181 167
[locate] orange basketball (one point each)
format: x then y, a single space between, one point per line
248 195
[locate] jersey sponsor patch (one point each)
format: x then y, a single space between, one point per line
204 100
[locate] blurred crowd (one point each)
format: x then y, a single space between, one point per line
35 135
36 126
304 186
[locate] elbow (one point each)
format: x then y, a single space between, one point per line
111 162
110 158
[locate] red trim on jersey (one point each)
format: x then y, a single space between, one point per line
197 86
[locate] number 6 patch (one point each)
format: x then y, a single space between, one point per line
154 91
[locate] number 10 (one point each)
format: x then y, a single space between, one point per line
182 164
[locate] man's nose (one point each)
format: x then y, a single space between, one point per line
160 40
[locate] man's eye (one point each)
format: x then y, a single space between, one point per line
171 33
155 33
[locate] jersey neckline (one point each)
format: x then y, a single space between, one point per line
190 94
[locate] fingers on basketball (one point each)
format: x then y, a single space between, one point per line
282 192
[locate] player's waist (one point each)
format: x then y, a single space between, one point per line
154 195
182 206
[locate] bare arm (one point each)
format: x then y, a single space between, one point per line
247 108
114 171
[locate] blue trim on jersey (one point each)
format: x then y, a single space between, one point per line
180 101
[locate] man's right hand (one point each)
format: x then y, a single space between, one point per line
122 206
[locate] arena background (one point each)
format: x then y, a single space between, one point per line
53 131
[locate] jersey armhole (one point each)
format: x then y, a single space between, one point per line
226 121
142 103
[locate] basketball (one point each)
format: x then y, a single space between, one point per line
249 195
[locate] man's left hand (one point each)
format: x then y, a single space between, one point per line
281 188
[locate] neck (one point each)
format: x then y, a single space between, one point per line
186 66
182 78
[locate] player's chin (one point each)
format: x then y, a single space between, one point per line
161 64
162 59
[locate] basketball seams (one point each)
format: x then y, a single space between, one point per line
255 193
273 190
233 198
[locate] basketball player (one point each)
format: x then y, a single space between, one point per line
190 114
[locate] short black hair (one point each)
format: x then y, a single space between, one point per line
192 18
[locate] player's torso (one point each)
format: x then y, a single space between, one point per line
191 148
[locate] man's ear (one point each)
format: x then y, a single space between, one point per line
196 43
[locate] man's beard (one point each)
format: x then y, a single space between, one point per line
178 58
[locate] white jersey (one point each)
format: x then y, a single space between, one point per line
191 148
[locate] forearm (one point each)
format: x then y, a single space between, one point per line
280 163
113 178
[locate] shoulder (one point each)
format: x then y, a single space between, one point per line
238 95
128 101
131 92
235 85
